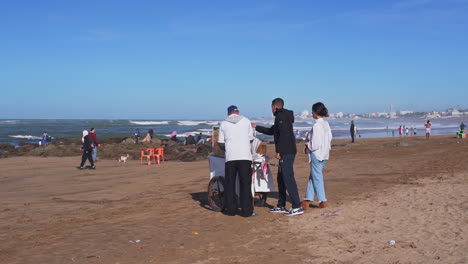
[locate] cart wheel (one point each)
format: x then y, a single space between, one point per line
216 193
262 198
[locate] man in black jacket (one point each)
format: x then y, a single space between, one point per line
285 146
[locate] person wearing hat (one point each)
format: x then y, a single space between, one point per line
235 136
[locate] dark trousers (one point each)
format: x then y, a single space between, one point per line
352 137
287 182
87 154
243 169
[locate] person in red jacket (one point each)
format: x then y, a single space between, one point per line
94 142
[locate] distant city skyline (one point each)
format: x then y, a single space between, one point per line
191 59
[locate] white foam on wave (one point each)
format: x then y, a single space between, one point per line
9 122
212 123
205 130
24 136
262 122
149 123
302 128
197 123
189 123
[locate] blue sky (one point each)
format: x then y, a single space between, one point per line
192 59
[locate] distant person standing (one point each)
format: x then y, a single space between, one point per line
461 132
407 131
95 145
428 128
285 148
352 130
137 135
44 139
199 139
151 132
318 147
414 131
400 131
235 136
297 134
87 150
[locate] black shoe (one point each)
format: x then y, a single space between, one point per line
295 211
228 214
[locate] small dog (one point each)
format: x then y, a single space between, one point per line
123 158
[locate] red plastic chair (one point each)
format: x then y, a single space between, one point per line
148 154
160 152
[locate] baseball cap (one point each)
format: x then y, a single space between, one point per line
232 108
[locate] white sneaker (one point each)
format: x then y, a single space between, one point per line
277 209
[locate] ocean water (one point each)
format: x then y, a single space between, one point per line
31 130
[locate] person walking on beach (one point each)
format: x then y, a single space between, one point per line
352 130
407 131
95 143
428 128
400 131
285 147
137 135
235 136
87 150
318 148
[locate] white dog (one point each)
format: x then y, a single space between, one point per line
123 158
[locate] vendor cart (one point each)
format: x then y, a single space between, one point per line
262 179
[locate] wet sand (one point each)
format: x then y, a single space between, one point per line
412 191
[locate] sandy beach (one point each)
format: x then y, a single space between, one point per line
410 190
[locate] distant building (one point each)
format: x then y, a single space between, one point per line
378 114
455 112
304 114
392 113
405 112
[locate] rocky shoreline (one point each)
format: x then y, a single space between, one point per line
110 149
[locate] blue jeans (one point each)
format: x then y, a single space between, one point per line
287 182
315 186
94 153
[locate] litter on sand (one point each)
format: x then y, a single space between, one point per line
134 241
334 213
